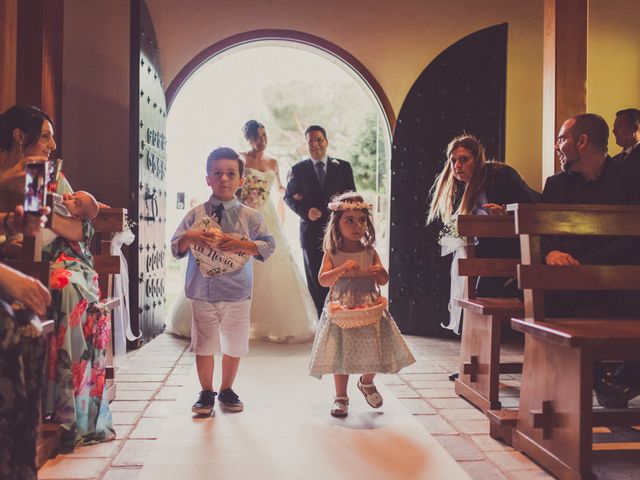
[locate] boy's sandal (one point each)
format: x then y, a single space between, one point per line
340 407
373 398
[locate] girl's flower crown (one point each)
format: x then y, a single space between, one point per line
336 206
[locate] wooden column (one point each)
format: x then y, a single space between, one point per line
564 71
40 26
8 49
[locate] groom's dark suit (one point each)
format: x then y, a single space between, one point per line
303 180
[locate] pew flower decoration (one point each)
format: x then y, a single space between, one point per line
450 230
254 192
129 223
448 238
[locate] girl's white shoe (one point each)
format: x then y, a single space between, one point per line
373 398
340 407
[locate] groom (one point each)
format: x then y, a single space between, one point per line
312 183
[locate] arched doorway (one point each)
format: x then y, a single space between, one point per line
286 81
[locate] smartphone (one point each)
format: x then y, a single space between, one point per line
35 187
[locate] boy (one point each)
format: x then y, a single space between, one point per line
221 303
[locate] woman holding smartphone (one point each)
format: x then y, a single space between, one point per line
76 394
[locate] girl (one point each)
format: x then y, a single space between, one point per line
351 267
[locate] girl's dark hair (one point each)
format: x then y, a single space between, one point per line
332 238
28 119
250 129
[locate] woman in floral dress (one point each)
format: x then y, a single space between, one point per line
76 393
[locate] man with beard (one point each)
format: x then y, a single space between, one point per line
590 176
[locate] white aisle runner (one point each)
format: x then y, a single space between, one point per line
286 431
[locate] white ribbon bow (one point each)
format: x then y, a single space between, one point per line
121 319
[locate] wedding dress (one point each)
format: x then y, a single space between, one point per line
281 308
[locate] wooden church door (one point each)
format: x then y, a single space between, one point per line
462 90
148 190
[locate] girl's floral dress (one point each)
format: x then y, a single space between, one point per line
76 393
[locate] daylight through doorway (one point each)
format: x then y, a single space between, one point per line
286 86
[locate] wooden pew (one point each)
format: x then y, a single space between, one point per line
484 318
555 417
108 222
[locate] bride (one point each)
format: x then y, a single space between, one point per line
281 308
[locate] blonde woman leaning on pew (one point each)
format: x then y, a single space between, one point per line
76 393
469 184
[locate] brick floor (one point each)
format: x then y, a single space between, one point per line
151 380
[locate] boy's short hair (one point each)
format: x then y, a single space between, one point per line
225 153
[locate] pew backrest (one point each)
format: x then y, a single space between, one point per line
471 227
534 221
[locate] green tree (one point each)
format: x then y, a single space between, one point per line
343 109
367 155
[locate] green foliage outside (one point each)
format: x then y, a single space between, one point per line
349 117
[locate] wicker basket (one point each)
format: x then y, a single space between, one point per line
358 317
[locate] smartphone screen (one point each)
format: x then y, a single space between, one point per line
35 188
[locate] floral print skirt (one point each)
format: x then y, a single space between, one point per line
76 391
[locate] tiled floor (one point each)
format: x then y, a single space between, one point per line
151 381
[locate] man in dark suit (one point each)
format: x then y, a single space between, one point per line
312 182
590 176
626 129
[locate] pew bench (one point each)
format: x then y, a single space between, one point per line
484 318
556 416
108 222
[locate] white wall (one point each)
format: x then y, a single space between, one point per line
395 41
613 59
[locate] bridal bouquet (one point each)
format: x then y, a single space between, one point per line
254 192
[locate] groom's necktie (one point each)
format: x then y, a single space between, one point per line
218 214
321 173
